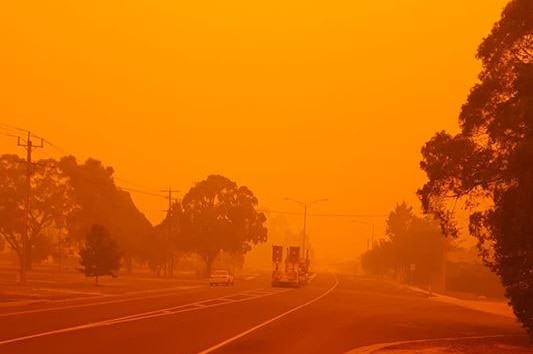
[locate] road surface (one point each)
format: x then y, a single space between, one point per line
334 314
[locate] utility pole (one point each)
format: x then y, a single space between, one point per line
305 205
169 265
372 235
169 197
305 234
29 146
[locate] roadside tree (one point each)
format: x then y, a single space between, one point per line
488 165
411 240
166 244
102 202
221 216
100 254
51 204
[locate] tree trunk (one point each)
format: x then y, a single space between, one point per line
22 268
29 260
171 266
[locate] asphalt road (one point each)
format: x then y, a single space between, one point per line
333 314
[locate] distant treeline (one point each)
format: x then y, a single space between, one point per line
413 251
68 198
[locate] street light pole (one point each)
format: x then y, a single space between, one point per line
305 234
372 235
305 205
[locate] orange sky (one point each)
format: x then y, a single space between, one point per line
307 99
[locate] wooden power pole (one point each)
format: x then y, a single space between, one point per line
169 263
29 146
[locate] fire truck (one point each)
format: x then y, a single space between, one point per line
291 272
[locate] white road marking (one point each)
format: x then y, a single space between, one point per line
379 346
255 328
67 291
164 293
147 315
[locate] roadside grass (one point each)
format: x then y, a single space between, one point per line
50 284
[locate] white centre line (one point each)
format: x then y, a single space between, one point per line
255 328
147 315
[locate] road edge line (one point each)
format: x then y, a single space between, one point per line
265 323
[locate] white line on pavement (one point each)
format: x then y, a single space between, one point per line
151 314
163 293
240 335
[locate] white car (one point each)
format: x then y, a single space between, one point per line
221 277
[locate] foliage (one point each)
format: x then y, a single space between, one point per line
166 243
51 204
100 255
12 208
488 164
380 259
221 216
67 198
475 278
410 240
101 202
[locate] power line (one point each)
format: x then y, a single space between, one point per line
13 133
351 215
10 135
133 190
11 130
14 128
135 184
57 147
326 215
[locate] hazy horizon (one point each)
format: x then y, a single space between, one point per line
301 100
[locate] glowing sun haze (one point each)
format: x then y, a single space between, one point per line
306 99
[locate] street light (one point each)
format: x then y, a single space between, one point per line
305 206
